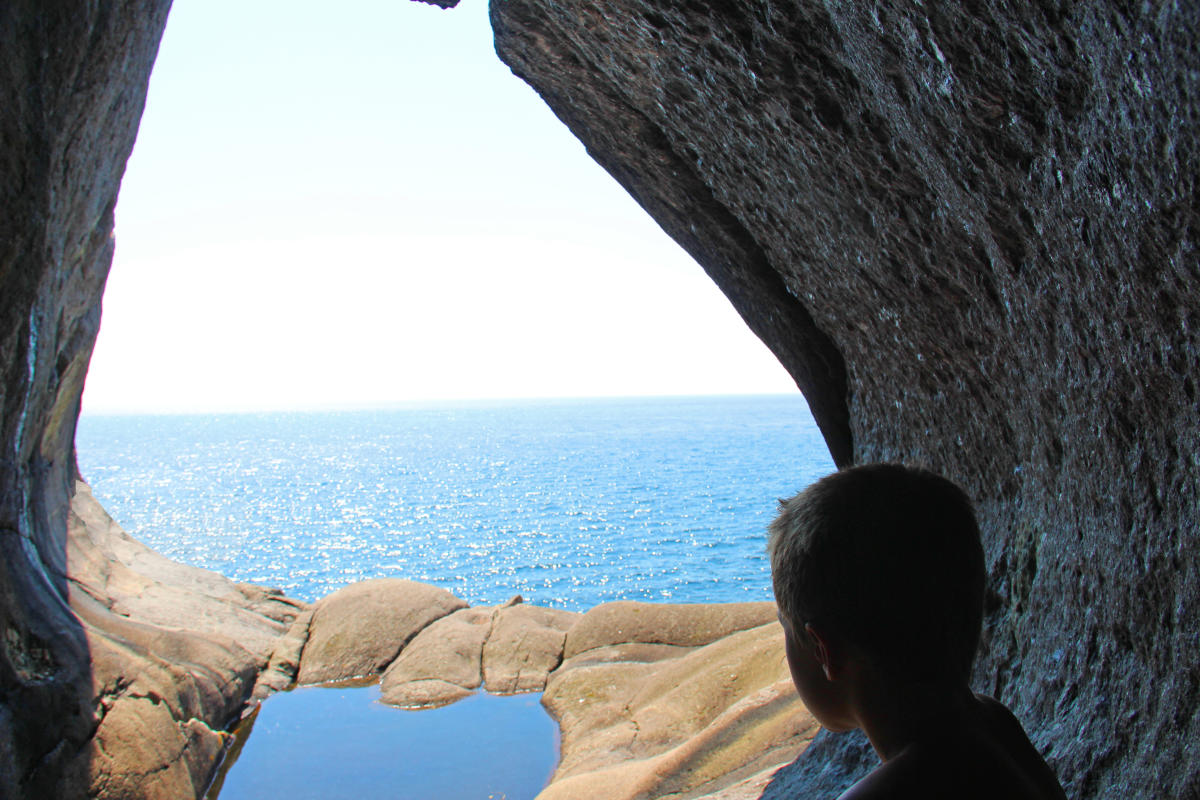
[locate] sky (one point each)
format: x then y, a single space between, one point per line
356 204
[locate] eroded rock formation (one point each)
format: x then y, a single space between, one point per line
653 700
175 653
72 86
661 700
969 231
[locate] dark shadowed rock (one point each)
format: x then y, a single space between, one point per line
72 86
359 630
969 231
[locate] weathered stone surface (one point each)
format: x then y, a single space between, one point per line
713 718
166 675
507 649
72 85
359 630
969 231
448 652
631 652
525 646
284 663
136 582
680 624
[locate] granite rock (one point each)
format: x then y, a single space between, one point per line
507 650
72 85
525 646
174 651
443 663
678 624
712 720
359 630
967 229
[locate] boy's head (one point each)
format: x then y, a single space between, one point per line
889 557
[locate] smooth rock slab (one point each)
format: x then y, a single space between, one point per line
681 624
359 630
715 719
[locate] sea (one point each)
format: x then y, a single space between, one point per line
568 503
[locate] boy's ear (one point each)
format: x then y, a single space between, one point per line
823 651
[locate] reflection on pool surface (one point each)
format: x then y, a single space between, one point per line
334 743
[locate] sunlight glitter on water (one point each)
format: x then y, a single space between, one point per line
569 504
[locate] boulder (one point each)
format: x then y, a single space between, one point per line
357 631
525 646
442 663
508 649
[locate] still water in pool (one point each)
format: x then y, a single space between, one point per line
332 743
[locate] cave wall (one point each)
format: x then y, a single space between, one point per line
968 229
73 82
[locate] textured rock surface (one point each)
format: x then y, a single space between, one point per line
678 624
969 231
443 663
714 717
525 645
509 649
691 722
72 85
357 631
175 651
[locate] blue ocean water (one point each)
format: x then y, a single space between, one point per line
569 503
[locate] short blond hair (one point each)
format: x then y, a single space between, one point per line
890 557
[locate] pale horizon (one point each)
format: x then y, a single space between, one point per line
363 208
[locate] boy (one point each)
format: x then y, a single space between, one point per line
879 576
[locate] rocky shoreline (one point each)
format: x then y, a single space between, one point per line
653 700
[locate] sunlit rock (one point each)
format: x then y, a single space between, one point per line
357 631
699 721
678 624
525 645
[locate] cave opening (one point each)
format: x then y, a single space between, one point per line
307 243
360 212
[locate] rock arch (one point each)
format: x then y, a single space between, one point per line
969 231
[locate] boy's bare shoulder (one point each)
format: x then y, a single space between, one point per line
989 759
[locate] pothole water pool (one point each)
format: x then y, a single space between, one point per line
484 747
